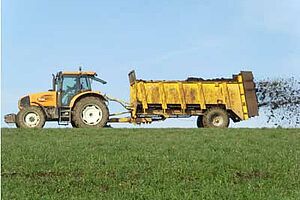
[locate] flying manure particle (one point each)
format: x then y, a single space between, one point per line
280 101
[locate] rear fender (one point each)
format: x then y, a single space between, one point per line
79 96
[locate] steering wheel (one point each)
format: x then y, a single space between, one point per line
69 89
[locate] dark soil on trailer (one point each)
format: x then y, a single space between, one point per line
279 99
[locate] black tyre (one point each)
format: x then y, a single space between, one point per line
90 112
200 121
216 118
31 117
73 124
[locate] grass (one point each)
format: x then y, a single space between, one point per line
151 164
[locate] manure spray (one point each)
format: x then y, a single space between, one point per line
280 100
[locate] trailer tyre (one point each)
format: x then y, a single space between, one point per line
200 121
90 112
30 117
216 118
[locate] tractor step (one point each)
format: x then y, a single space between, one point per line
64 117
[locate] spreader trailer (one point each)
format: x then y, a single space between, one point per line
72 100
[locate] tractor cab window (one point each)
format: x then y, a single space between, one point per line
69 89
84 83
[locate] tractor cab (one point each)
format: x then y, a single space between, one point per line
69 84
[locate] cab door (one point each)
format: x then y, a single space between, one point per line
69 88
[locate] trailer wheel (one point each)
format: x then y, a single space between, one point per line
30 117
216 118
200 121
90 112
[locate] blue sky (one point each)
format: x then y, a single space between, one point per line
159 39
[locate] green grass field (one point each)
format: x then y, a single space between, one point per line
151 164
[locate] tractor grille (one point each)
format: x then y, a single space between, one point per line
25 101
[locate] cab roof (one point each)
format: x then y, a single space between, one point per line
89 73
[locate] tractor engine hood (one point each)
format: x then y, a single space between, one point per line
45 99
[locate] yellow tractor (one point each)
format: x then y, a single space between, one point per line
71 100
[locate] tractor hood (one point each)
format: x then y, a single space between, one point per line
45 99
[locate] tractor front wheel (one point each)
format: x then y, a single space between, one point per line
30 117
90 112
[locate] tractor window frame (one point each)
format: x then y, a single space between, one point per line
87 81
70 76
62 94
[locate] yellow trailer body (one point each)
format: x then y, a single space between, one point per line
192 97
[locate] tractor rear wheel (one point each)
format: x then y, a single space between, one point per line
200 121
30 117
90 112
73 124
216 118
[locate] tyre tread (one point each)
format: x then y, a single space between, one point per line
76 116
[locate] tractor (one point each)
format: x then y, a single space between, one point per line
71 100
